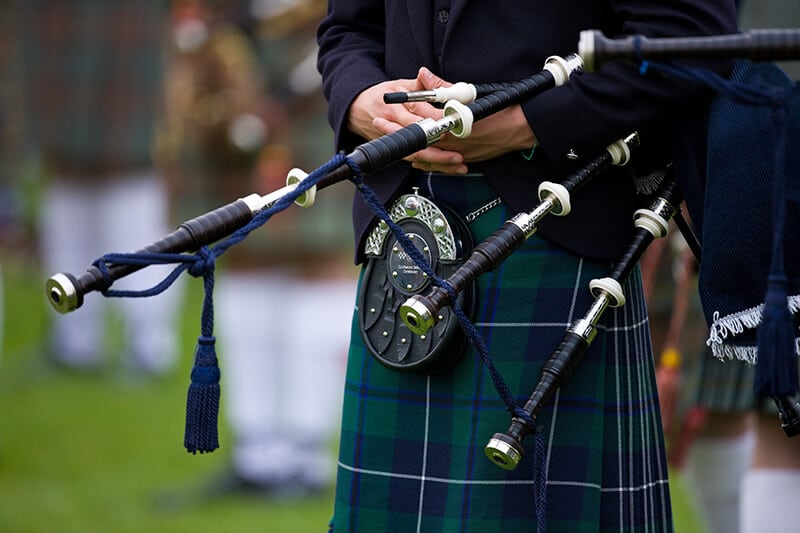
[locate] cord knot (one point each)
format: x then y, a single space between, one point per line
102 266
203 264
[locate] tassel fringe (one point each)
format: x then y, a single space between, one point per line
724 329
202 404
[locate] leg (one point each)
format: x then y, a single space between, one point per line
317 337
68 238
134 215
249 320
771 488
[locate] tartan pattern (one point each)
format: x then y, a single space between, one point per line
725 386
95 76
411 451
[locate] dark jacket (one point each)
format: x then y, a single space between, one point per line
479 41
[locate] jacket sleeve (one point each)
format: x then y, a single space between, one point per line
594 109
351 58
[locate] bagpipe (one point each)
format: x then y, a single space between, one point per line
231 223
424 295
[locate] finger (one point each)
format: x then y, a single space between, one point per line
424 110
444 169
401 114
430 158
429 80
385 126
437 156
434 159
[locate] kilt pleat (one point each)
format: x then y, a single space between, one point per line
411 451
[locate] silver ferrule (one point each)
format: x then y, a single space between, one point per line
62 294
563 67
632 140
421 96
621 150
655 218
662 208
502 454
528 222
417 316
574 63
585 327
434 129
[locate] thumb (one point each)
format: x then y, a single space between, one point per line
429 80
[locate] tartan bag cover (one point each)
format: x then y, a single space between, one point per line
411 451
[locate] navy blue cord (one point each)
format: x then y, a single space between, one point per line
470 330
539 482
200 263
202 405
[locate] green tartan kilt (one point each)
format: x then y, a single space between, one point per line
725 386
411 450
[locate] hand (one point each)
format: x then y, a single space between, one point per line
502 132
505 131
370 117
369 105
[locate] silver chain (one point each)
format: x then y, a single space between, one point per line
483 209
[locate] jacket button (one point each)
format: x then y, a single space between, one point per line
443 16
571 155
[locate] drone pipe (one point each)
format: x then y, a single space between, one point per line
506 449
757 45
461 91
65 291
420 312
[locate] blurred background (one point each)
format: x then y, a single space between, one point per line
119 120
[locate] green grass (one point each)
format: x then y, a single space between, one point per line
103 453
85 453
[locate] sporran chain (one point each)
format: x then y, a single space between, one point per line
483 209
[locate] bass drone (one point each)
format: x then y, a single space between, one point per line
756 45
66 291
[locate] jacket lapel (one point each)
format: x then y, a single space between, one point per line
420 13
456 7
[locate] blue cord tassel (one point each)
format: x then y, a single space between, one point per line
776 371
776 368
202 405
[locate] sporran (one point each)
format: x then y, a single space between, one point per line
391 277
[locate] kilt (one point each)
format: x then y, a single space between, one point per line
411 449
725 385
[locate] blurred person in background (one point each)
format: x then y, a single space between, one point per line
702 420
94 79
240 113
